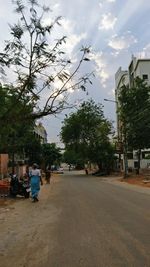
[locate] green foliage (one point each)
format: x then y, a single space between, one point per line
86 132
38 60
73 158
51 155
32 149
15 129
134 114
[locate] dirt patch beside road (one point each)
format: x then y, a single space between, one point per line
137 180
23 234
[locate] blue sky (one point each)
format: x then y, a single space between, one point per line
115 29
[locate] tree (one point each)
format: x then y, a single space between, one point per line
73 158
39 62
14 130
51 155
87 133
134 114
16 133
33 149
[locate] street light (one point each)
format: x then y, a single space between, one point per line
110 100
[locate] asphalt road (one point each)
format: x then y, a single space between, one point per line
80 221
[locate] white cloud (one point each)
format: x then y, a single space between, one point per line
145 53
102 2
101 67
47 22
128 11
56 6
111 93
119 43
73 39
67 29
107 22
67 25
111 1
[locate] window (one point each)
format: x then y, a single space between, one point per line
130 155
135 164
145 76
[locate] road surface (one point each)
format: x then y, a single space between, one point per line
80 221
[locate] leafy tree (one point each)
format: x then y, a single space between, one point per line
87 133
73 158
33 149
16 133
15 129
51 155
134 114
39 63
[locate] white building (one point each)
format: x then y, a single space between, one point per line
121 78
137 68
40 133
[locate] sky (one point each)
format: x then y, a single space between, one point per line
114 29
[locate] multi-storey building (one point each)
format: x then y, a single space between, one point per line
121 78
40 133
137 68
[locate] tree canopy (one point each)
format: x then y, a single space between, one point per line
43 72
134 116
51 155
14 130
86 132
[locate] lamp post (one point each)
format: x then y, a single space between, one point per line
120 143
110 100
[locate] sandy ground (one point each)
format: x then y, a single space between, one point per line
79 221
22 231
137 180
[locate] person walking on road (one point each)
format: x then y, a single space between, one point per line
48 175
35 180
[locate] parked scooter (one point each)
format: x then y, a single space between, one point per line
19 187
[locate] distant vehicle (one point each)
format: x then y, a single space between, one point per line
59 171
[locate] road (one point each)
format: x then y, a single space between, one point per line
80 221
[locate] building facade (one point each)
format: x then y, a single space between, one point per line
137 68
40 133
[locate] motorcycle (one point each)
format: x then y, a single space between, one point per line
19 187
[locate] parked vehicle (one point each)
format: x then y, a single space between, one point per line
19 187
59 171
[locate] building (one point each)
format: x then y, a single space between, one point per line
121 78
137 68
40 133
20 160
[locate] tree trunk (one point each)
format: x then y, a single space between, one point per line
13 163
139 161
99 166
125 158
